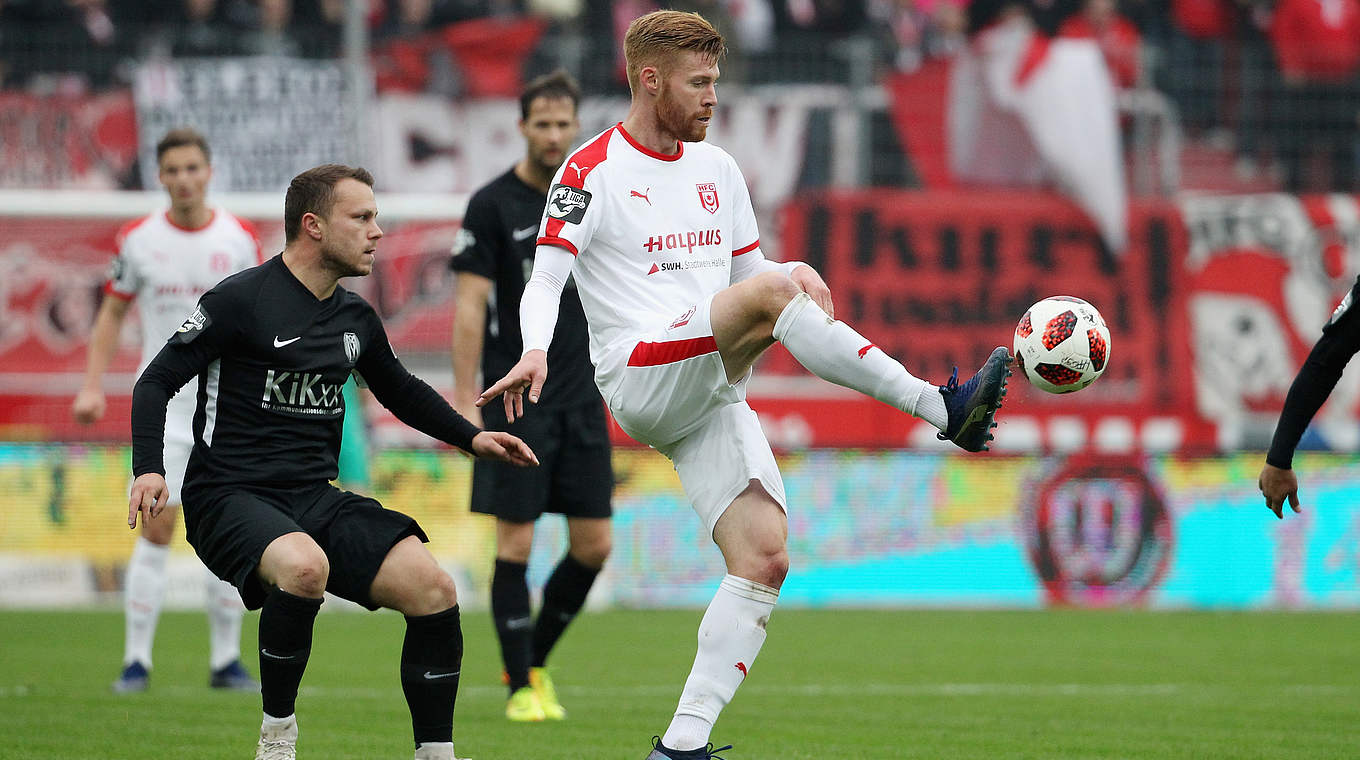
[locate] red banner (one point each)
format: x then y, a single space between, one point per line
1211 311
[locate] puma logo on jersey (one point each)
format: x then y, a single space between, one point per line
643 196
578 169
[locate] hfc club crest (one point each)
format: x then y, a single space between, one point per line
351 347
708 196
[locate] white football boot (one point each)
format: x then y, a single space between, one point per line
278 739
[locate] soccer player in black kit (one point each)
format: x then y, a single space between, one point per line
493 257
1314 382
272 347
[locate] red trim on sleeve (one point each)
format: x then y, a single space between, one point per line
747 248
127 229
110 290
671 351
254 236
560 243
679 147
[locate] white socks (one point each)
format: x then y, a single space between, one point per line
833 351
225 611
143 595
730 637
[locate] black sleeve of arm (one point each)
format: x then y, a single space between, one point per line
192 348
474 250
1316 379
411 399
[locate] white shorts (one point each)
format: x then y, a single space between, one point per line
176 462
669 390
176 458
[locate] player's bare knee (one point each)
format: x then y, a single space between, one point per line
776 291
594 553
438 594
301 568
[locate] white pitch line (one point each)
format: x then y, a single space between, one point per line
807 691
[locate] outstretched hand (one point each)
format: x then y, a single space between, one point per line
808 281
1276 485
149 494
529 373
491 444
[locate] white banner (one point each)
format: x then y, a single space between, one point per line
266 119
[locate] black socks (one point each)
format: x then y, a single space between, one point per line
285 644
431 658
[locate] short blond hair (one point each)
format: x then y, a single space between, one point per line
658 37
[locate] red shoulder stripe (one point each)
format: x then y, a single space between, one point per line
580 164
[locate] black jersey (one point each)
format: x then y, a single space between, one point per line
271 359
1316 379
500 231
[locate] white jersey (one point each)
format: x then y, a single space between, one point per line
653 235
167 267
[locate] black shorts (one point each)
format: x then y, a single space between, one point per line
229 528
574 477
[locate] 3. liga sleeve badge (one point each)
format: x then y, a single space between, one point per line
193 325
708 196
568 203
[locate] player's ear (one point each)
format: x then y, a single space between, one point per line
650 79
312 225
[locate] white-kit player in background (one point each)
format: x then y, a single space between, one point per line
165 261
657 228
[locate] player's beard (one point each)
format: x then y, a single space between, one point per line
676 120
344 267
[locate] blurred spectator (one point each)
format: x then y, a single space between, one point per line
199 31
1317 45
1117 37
1195 52
270 34
919 30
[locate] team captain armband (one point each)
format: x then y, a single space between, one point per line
193 325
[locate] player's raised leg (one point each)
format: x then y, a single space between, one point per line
295 569
752 534
411 582
750 316
564 594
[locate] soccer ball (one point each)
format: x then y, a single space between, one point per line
1062 344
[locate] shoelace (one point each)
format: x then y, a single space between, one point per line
709 750
953 384
277 749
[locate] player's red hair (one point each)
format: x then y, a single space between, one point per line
658 37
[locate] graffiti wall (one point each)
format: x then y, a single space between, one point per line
865 528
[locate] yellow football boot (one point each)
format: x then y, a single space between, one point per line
542 685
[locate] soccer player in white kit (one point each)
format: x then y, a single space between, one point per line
166 261
657 229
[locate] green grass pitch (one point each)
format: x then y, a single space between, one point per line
829 684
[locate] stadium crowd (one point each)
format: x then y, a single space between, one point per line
1272 81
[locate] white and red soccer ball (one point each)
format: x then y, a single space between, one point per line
1062 344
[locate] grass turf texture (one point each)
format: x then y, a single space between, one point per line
828 684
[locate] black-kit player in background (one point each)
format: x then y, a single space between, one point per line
1314 382
493 258
272 347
